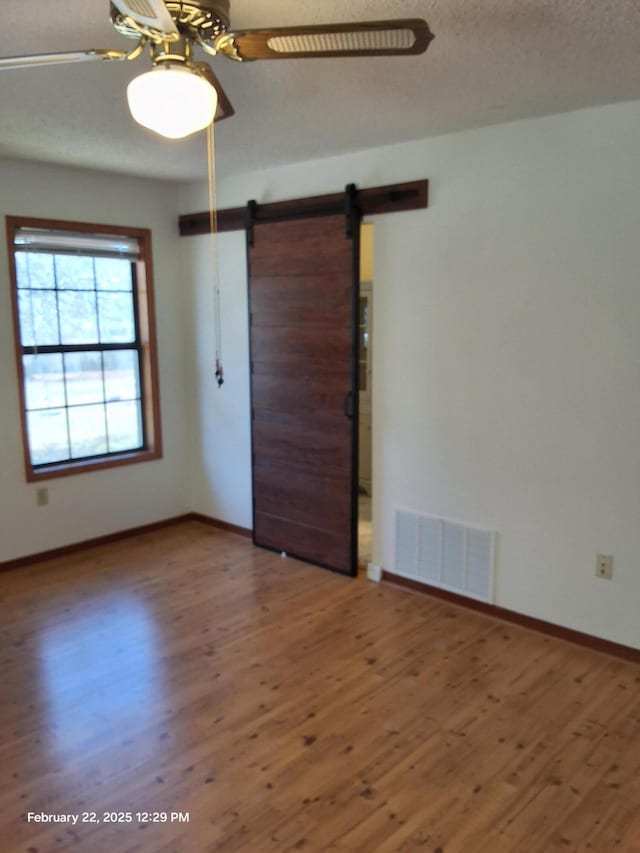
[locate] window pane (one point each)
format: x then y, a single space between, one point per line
74 272
41 271
78 320
116 318
25 315
43 382
113 274
121 375
22 269
125 426
38 318
48 441
87 431
83 371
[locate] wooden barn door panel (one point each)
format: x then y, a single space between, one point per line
301 302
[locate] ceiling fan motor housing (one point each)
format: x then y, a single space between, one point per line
201 20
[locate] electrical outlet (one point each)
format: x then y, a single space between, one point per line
42 496
604 566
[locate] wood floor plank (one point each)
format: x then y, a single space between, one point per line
285 709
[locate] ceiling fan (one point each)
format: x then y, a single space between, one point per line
180 95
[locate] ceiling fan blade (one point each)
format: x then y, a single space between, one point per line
61 58
365 38
225 107
151 15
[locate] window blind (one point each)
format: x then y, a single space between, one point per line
76 243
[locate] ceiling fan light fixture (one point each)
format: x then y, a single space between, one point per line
173 101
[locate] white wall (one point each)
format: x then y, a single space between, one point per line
93 504
220 472
507 359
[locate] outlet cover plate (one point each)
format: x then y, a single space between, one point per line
604 566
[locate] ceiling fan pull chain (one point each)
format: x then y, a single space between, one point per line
213 231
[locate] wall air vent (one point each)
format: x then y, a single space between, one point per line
445 554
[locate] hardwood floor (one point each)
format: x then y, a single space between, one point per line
287 708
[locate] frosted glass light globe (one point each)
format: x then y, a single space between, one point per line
172 101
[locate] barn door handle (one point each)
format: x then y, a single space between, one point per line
348 405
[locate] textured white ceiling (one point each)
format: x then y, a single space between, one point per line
492 61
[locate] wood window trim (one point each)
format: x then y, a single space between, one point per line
149 358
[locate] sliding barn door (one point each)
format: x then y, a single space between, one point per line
303 289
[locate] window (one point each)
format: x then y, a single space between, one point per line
85 345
